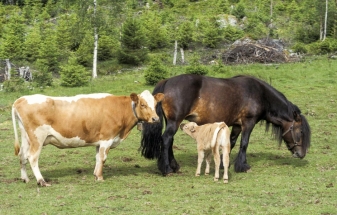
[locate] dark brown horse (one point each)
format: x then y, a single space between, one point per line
240 102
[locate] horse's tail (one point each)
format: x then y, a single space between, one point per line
16 141
152 132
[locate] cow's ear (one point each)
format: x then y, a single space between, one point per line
159 97
134 97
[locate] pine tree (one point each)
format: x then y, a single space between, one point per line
133 42
31 46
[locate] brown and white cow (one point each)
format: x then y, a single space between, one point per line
102 120
210 139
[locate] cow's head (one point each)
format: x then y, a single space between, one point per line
144 106
189 128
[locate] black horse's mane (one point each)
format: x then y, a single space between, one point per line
279 106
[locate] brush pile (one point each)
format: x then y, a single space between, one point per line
261 51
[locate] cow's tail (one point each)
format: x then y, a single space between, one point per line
16 141
217 130
152 132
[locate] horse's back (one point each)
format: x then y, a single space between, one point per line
205 99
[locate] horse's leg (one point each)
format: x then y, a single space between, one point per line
166 155
236 130
241 161
173 163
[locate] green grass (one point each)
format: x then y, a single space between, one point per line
277 184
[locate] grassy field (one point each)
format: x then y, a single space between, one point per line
277 184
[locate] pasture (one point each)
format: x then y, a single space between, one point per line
276 184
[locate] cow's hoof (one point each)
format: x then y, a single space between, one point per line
197 174
206 173
25 180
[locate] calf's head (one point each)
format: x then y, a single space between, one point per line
189 128
144 106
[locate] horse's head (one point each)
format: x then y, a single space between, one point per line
296 135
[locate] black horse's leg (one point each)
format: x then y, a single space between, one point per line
241 161
236 130
166 159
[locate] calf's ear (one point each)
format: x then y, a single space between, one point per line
182 126
134 97
159 97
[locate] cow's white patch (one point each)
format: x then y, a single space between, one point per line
48 135
148 97
38 98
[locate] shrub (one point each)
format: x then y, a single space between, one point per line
43 77
155 72
74 74
15 84
299 48
196 67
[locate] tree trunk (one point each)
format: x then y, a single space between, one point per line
182 55
8 71
325 19
175 52
94 65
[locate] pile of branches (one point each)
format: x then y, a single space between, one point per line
254 53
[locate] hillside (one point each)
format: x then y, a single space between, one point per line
48 35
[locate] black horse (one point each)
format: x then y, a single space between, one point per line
240 102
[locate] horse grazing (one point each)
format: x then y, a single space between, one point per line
240 102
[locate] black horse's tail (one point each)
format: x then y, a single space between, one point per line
152 132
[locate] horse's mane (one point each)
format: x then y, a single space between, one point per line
279 106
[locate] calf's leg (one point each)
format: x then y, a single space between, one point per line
208 161
216 161
200 160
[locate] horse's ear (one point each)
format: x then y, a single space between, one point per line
297 117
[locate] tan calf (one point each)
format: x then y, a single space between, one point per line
101 120
210 139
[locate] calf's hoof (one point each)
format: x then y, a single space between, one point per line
42 183
216 179
225 181
197 174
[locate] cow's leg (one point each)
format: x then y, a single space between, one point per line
241 161
216 155
101 154
225 159
24 150
208 161
34 154
201 154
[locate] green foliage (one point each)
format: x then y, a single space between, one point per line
299 48
255 29
231 33
107 47
43 77
155 72
323 47
49 53
155 32
239 11
15 84
212 33
84 53
74 74
196 67
32 44
133 43
185 34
